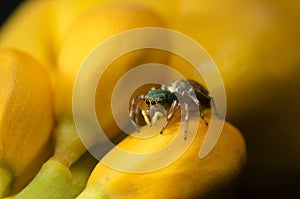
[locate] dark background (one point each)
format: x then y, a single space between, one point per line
6 7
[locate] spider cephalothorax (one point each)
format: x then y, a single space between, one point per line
164 102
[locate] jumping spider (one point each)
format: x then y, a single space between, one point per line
164 102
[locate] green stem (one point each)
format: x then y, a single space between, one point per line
5 180
52 182
81 171
55 180
68 145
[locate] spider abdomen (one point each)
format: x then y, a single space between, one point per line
191 87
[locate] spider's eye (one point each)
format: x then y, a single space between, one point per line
153 102
147 101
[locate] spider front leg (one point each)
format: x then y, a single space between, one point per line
174 107
146 118
134 112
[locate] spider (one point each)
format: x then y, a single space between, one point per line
164 102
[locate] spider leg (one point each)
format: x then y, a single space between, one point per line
192 97
214 106
146 118
174 107
134 110
196 101
202 115
186 118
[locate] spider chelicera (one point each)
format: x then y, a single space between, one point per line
164 102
